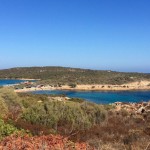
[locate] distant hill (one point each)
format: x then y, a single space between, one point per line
62 75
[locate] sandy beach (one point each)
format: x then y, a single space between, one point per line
143 85
28 79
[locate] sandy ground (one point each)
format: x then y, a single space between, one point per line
143 85
27 79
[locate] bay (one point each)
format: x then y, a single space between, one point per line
102 97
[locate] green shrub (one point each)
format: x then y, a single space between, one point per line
10 102
6 129
96 113
79 100
77 116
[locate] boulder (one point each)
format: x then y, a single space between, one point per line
141 110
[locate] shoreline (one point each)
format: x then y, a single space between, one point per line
19 79
79 90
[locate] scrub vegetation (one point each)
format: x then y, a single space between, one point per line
72 76
39 121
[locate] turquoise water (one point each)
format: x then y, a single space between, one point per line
103 97
4 82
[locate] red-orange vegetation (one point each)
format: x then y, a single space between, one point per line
49 142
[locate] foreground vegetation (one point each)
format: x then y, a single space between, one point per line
61 75
37 121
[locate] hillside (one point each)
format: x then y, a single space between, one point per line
29 121
55 75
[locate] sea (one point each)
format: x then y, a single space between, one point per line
92 96
5 82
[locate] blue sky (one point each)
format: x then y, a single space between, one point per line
95 34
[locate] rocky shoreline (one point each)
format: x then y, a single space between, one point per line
139 111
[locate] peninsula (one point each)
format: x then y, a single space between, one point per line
61 78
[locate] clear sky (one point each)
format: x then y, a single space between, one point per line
96 34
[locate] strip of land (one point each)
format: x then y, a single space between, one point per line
142 85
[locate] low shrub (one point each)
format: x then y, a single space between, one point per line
78 100
49 142
6 129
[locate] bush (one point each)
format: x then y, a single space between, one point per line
72 85
69 116
10 103
78 100
6 129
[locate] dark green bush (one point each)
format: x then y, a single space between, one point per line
72 85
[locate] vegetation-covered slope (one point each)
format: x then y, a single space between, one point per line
55 75
34 118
